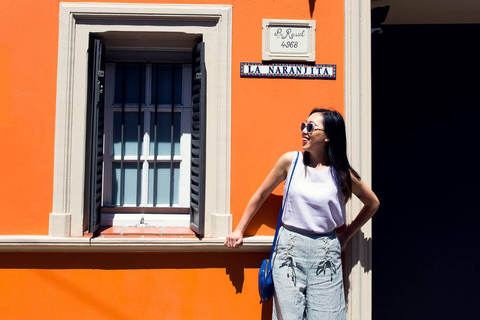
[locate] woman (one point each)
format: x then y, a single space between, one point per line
307 269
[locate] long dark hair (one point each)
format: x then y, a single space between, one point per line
336 150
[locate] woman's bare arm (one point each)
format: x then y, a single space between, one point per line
273 179
370 206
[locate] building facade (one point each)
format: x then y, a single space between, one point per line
146 137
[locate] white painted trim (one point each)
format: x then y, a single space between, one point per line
358 122
152 220
24 243
77 20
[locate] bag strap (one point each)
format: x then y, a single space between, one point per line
279 222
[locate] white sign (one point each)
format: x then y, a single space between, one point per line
288 40
289 70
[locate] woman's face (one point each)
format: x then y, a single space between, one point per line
316 139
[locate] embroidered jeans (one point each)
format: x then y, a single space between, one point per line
308 279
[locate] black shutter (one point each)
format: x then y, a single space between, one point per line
197 190
94 152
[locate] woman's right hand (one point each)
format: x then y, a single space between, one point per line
234 239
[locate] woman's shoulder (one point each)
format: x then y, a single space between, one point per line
288 157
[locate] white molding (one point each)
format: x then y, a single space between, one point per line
152 220
24 243
358 122
59 224
221 225
77 20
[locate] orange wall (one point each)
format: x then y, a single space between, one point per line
130 286
265 123
266 113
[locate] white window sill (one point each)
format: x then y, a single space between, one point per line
23 243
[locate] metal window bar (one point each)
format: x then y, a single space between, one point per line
172 143
122 141
139 136
155 146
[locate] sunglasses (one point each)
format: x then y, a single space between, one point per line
310 127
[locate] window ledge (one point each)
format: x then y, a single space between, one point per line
24 243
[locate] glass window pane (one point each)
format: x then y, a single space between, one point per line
131 73
130 183
130 133
164 132
162 83
163 183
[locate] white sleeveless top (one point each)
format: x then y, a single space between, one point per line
315 203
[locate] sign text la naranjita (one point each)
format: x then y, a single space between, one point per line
317 71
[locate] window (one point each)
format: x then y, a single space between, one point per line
141 121
147 135
135 173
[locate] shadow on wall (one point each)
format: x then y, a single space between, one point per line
266 215
312 7
234 264
364 263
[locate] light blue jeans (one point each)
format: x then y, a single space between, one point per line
308 277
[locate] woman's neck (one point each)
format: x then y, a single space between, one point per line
318 160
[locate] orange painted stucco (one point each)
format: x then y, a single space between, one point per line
265 123
129 286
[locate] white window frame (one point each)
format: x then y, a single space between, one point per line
77 21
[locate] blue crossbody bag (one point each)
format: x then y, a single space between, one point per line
265 279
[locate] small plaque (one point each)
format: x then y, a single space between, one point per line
289 70
288 40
